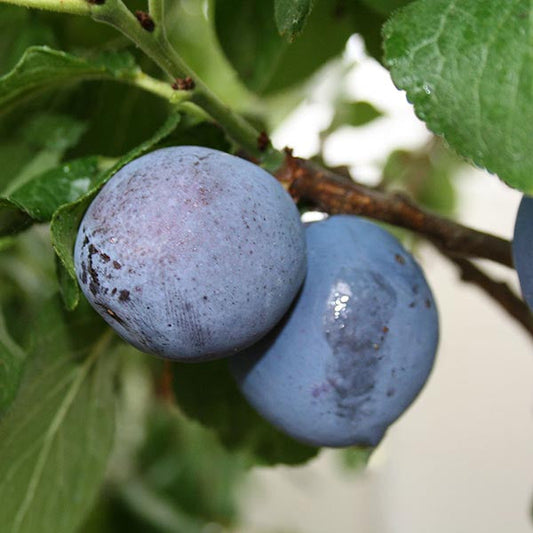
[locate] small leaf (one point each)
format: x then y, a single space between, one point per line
67 218
356 458
57 435
42 68
426 175
468 69
209 394
354 114
291 16
12 359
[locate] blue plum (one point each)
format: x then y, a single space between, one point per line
355 348
190 253
523 248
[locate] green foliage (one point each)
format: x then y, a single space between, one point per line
184 463
467 68
42 68
20 29
426 174
56 436
291 16
209 394
38 199
12 359
264 59
385 7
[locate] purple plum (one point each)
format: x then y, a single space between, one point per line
190 253
355 348
523 248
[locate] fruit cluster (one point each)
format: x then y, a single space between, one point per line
193 254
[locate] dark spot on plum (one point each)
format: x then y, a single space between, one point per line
114 291
400 259
85 242
390 392
92 249
124 296
94 288
83 273
105 257
427 303
204 297
385 329
117 265
412 304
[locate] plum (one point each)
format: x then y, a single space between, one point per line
523 248
355 348
190 253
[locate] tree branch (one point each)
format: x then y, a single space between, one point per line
499 291
336 194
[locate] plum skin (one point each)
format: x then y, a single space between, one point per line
190 253
355 348
523 248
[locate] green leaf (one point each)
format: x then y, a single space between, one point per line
186 466
266 62
385 7
67 218
426 175
209 394
20 29
12 359
38 199
35 146
354 114
291 16
53 131
248 34
468 69
355 458
57 435
42 68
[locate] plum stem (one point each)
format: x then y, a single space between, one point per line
152 40
74 7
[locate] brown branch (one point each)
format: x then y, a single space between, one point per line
335 193
498 291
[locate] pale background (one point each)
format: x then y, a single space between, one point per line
461 459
